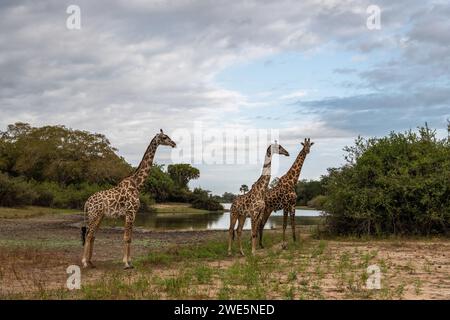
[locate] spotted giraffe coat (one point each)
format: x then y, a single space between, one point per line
283 196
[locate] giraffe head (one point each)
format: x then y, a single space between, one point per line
164 139
307 145
277 148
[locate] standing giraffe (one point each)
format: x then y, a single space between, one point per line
120 201
283 195
252 203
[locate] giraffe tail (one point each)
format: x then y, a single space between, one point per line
84 228
83 235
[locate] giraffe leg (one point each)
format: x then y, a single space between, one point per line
233 219
285 214
255 228
129 221
239 232
292 215
260 235
261 228
89 242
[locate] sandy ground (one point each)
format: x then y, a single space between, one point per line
35 252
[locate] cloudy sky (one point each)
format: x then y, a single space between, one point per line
307 68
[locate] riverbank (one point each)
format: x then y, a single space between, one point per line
178 207
305 208
35 252
36 211
31 211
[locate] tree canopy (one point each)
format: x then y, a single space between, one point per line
182 173
243 188
59 154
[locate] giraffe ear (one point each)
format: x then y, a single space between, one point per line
303 144
312 143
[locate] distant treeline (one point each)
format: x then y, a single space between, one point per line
60 167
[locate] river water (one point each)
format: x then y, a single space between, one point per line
208 221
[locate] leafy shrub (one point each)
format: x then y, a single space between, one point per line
318 202
200 199
398 184
146 203
307 190
15 191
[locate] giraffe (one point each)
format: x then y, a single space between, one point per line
283 195
119 201
252 203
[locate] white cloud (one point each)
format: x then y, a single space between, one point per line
136 66
295 95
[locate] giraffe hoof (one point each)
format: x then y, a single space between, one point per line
284 246
129 267
91 265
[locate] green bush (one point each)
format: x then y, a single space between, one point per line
15 192
399 184
146 203
307 190
200 199
318 202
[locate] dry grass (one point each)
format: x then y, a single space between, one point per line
30 211
308 269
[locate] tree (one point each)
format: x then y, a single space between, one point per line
243 188
397 184
182 173
307 190
228 197
202 199
59 154
159 184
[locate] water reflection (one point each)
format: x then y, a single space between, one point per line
207 221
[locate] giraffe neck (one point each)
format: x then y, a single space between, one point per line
264 179
142 171
294 172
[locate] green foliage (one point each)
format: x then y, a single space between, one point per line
307 190
146 202
182 173
201 199
318 202
397 184
15 191
58 167
227 197
244 188
59 154
162 187
159 184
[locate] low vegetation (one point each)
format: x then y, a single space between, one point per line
309 269
31 211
